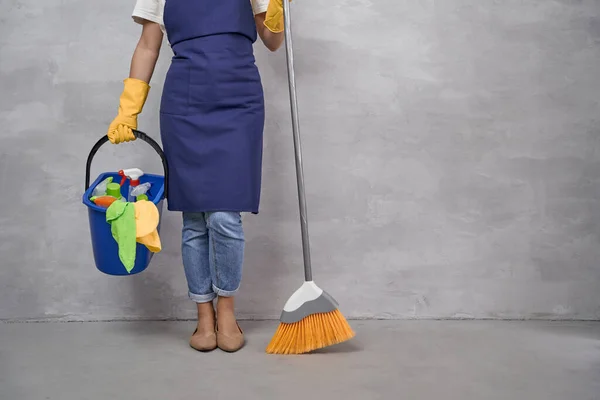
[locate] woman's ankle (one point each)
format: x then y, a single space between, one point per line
206 316
225 305
226 314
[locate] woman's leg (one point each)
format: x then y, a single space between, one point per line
226 249
195 254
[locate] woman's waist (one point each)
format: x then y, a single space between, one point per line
217 64
215 46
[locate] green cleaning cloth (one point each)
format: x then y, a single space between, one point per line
121 217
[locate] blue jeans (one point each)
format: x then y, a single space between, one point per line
213 254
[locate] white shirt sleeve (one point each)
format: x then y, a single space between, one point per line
153 10
150 10
260 6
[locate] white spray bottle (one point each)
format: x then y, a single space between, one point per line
133 174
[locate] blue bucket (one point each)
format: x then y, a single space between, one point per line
105 248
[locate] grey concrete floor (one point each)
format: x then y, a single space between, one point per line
387 360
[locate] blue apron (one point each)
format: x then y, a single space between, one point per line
212 107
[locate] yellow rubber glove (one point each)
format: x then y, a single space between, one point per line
274 17
133 98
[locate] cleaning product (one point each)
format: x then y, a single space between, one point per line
103 201
100 190
310 319
133 174
107 192
140 190
114 189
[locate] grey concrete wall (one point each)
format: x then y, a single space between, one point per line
451 148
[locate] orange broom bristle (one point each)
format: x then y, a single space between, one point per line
311 333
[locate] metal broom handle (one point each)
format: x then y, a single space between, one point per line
297 145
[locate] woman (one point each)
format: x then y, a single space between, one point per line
211 122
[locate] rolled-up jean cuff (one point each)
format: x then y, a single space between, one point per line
202 298
225 293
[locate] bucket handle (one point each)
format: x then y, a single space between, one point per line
138 135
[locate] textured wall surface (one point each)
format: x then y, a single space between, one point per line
452 158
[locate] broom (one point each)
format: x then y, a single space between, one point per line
310 319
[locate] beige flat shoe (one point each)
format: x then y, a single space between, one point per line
230 343
203 342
